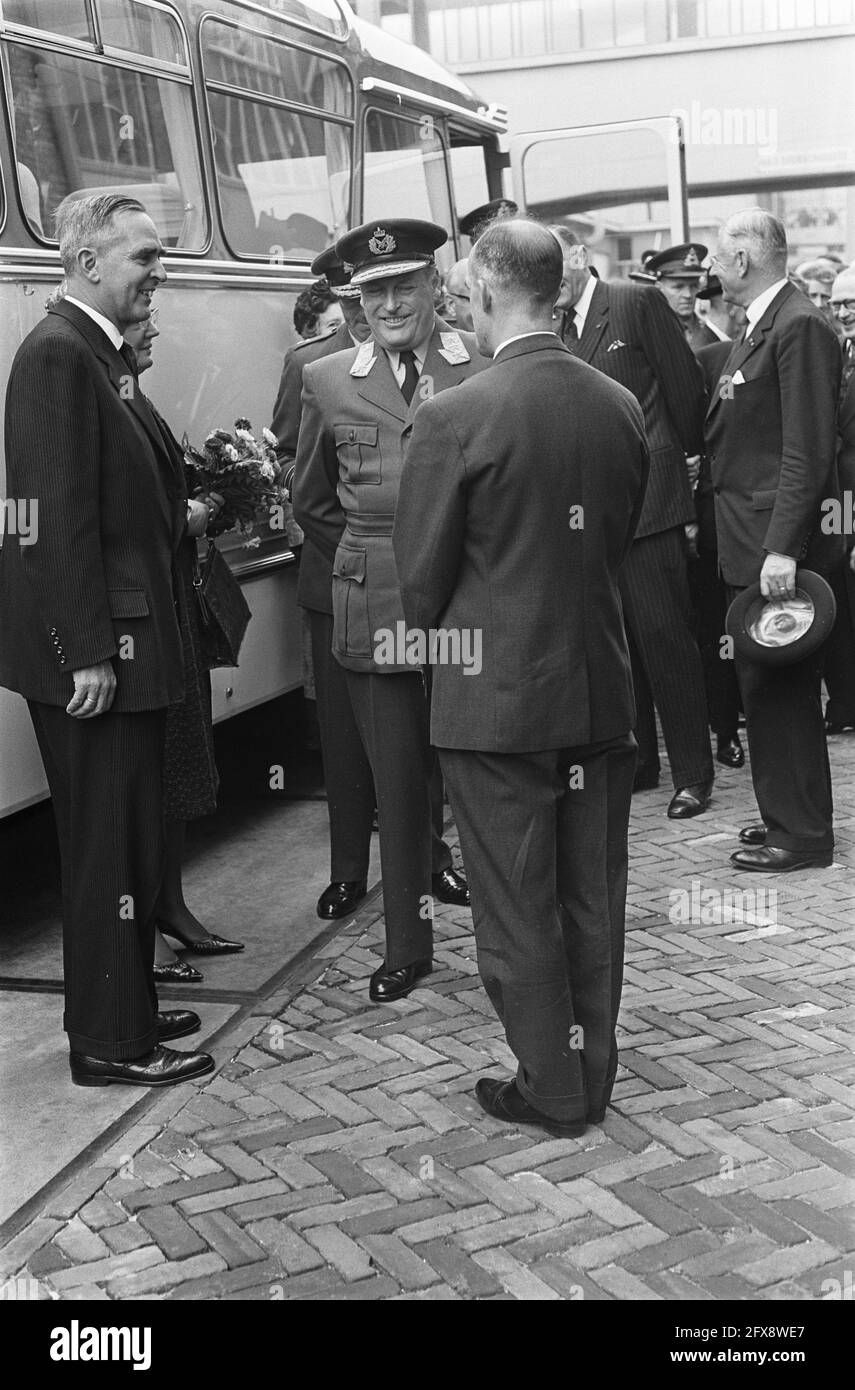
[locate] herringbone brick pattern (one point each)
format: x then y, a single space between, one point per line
339 1152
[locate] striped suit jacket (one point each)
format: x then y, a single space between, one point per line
633 336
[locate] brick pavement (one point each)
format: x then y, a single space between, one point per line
339 1153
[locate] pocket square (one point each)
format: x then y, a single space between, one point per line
738 379
613 347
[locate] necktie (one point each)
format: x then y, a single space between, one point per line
128 355
411 375
571 332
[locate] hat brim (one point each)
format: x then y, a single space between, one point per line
387 270
345 291
745 608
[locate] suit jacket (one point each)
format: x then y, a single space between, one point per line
846 443
81 440
489 540
314 586
633 336
771 441
350 455
699 336
711 360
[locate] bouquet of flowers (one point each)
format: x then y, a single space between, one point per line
246 473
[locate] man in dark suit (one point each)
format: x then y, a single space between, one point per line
839 664
771 438
520 496
357 410
89 634
629 332
347 771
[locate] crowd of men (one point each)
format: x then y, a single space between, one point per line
521 539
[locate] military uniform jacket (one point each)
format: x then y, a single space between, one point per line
350 455
633 336
771 440
81 440
315 582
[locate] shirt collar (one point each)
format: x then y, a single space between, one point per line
106 325
758 306
583 303
714 328
420 353
536 333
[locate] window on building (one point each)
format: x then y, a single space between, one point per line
83 126
405 173
283 173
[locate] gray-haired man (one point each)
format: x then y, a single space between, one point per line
89 634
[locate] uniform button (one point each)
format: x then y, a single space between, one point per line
53 632
717 491
352 435
62 661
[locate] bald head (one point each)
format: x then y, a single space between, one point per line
514 276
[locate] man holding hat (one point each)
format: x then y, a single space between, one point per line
347 772
770 437
358 408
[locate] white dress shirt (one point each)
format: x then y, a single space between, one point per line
106 325
583 304
535 333
399 369
714 328
758 306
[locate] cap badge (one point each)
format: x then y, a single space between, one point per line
692 259
381 243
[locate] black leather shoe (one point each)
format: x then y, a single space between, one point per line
176 1023
388 985
210 946
173 972
160 1067
729 752
450 887
341 898
502 1100
768 860
646 780
690 801
753 834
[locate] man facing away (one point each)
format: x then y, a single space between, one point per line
358 407
520 497
89 633
771 441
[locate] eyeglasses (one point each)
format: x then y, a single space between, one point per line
843 306
452 295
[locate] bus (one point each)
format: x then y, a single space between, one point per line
254 136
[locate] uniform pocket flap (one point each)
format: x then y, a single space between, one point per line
357 434
764 501
127 603
350 564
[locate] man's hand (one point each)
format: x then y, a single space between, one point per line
201 512
778 577
693 468
94 691
691 531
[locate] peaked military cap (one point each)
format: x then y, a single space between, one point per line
390 246
474 222
678 262
336 272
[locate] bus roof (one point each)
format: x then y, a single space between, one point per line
391 58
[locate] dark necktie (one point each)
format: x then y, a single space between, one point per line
411 375
571 332
128 355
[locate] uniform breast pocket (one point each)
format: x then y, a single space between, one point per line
358 448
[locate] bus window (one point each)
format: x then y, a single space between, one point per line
408 158
283 174
135 27
82 126
66 17
468 172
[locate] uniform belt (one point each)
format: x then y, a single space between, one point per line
372 524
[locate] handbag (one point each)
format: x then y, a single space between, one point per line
223 611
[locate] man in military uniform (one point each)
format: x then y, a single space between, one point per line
677 272
358 408
473 223
347 772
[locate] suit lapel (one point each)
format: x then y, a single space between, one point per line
745 347
596 323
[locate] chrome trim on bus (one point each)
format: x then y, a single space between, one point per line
272 281
247 569
489 116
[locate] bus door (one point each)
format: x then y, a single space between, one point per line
621 187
